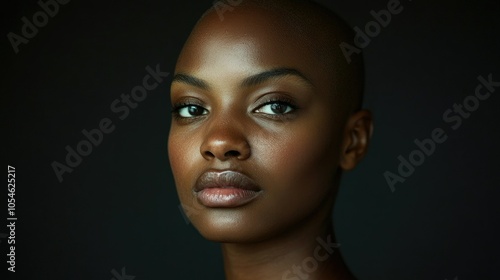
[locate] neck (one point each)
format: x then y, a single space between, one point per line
309 253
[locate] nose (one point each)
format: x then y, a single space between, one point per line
225 140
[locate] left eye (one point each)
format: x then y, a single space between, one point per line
275 108
190 111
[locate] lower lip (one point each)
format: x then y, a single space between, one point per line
226 197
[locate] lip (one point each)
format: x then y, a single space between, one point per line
225 189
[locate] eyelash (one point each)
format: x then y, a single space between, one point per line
281 100
178 106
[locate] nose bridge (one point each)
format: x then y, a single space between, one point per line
225 136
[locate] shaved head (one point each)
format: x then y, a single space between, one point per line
265 92
313 31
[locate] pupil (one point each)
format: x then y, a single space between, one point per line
194 110
278 108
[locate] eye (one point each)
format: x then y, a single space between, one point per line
276 108
190 111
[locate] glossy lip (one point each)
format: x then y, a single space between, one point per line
225 189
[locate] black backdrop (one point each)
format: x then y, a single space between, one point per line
117 212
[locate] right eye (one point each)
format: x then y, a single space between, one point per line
191 111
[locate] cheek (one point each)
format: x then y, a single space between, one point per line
300 167
307 153
181 154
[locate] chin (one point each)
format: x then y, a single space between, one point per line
231 226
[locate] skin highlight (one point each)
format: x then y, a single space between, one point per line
276 101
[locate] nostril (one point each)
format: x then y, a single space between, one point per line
232 153
225 150
209 154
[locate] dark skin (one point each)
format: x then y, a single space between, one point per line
273 100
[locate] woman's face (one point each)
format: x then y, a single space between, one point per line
256 132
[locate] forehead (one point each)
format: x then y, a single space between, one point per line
251 39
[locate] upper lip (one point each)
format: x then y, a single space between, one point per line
225 179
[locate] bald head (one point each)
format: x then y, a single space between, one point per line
282 34
267 91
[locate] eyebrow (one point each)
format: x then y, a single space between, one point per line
272 74
190 80
247 82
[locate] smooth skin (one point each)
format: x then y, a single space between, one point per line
266 92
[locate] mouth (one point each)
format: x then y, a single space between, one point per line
225 189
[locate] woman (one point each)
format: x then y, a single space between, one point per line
266 117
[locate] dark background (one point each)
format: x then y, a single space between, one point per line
119 209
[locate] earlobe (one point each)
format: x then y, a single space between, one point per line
357 135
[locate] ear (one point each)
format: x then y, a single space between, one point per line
357 135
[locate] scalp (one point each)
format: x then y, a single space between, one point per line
305 23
